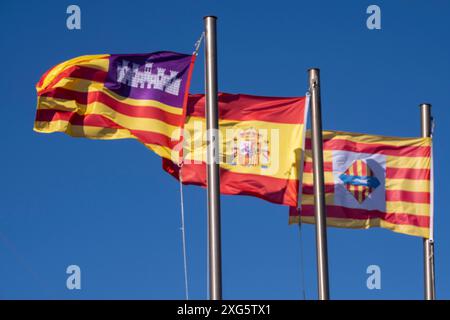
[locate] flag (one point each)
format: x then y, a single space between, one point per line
113 96
372 181
261 142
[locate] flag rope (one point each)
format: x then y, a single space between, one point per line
183 231
302 268
300 179
198 43
183 235
431 236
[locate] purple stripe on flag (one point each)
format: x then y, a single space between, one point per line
160 76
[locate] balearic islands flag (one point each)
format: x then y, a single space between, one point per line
372 181
261 142
140 96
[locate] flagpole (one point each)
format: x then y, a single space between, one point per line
213 182
319 192
428 245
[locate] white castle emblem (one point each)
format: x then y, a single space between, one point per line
160 80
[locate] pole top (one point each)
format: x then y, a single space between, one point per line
425 108
212 17
313 69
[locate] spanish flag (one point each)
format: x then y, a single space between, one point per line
110 96
372 181
261 141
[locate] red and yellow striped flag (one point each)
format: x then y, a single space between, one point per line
141 96
261 142
372 181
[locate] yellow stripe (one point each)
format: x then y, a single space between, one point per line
164 152
81 131
408 162
81 85
132 123
308 199
391 161
308 177
327 156
376 139
408 185
418 209
98 61
283 155
98 133
358 188
365 224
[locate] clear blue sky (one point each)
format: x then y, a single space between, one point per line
108 207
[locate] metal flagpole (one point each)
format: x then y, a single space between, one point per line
319 192
212 125
428 244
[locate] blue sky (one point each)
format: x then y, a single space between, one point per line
108 207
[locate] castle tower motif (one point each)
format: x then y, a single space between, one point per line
147 78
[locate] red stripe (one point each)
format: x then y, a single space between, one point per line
281 191
148 112
243 107
370 174
95 120
408 173
74 118
80 72
373 148
87 73
352 170
41 80
309 188
364 190
327 166
391 173
361 214
391 195
407 196
154 138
